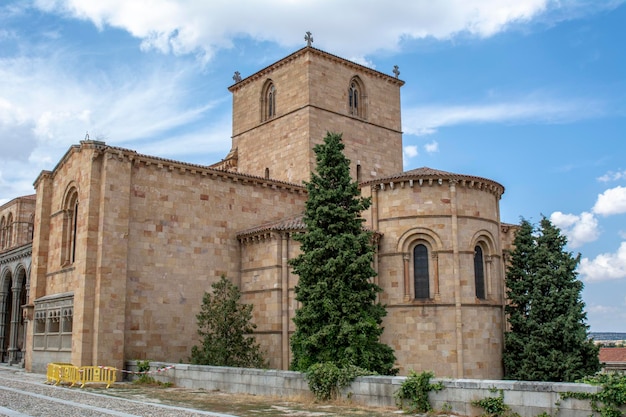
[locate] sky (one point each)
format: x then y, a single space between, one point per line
528 93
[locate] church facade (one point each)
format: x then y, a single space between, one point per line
125 244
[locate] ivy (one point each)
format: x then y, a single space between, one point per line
143 368
326 379
415 390
610 399
495 406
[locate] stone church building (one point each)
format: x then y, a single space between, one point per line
125 244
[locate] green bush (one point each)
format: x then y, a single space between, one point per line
415 390
495 406
326 379
610 399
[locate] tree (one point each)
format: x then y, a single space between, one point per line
339 320
548 338
225 325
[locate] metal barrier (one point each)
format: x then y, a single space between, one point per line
62 373
96 374
70 374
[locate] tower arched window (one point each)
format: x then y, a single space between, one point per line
70 227
268 101
2 232
356 98
9 231
421 273
479 272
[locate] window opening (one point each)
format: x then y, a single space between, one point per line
421 274
479 273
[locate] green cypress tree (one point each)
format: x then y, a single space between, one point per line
548 338
225 327
339 320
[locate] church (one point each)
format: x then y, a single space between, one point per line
124 245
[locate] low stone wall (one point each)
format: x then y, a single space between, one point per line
526 398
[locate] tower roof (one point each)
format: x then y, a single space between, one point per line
309 49
430 175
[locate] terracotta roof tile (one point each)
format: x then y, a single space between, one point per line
613 354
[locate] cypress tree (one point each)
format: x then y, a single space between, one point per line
339 320
225 327
548 338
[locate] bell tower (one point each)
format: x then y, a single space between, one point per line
283 110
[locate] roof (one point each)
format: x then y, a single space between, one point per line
289 223
613 354
430 174
263 72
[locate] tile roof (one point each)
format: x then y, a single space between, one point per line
294 223
613 354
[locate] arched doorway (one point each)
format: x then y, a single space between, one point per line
13 295
6 302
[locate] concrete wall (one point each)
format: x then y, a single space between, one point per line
526 398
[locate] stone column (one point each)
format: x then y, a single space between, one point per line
284 274
15 321
3 312
457 281
407 283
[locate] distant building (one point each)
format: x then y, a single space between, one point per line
613 358
126 244
16 236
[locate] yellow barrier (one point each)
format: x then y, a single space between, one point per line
96 374
62 372
68 373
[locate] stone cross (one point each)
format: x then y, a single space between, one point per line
308 38
237 77
396 71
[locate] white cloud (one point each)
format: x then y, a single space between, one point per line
426 120
411 151
612 201
606 266
578 229
612 176
202 27
432 147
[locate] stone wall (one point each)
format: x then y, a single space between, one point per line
526 398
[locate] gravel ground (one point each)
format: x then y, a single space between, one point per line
25 394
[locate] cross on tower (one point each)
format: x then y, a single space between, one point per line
308 38
396 71
237 77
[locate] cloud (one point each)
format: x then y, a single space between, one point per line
612 201
202 27
606 266
431 147
411 151
578 229
426 120
612 176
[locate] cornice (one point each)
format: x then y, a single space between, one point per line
17 253
428 177
261 74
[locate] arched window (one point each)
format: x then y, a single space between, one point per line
356 98
479 273
421 275
2 232
70 227
9 231
268 101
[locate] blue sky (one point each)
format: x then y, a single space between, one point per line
529 93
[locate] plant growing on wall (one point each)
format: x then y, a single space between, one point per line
611 400
339 319
415 389
225 326
548 338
